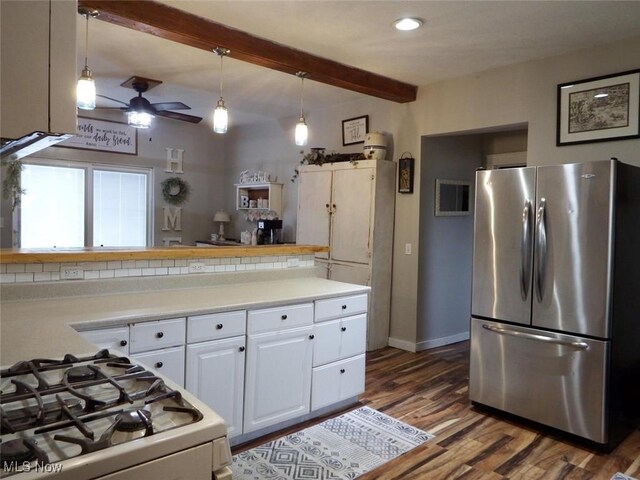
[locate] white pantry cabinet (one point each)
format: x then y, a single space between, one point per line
215 366
350 208
278 373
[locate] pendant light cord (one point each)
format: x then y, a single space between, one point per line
86 44
221 75
302 97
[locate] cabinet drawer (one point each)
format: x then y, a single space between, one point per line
116 340
216 325
169 362
280 318
154 335
340 307
337 381
339 339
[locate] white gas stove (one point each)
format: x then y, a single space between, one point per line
99 416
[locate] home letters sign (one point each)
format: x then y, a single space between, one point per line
103 135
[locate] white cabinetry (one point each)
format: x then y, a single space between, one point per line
116 338
350 208
215 364
160 345
278 374
339 346
38 42
267 196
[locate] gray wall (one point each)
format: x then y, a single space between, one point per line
444 278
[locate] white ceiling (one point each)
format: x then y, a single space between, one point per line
459 38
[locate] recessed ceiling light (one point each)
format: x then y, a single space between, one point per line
408 23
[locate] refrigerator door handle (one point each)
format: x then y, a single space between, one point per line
532 336
541 248
525 251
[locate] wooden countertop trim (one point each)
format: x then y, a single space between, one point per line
89 254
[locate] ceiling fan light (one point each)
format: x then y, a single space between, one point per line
139 119
86 91
301 133
220 117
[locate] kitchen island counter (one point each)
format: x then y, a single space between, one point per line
45 328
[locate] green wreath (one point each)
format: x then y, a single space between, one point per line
175 191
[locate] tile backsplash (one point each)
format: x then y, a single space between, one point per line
53 272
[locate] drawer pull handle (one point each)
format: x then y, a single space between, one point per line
241 349
123 343
159 334
312 337
344 329
342 370
284 317
219 326
344 307
159 364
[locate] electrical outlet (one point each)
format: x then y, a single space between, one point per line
196 267
71 273
407 249
293 262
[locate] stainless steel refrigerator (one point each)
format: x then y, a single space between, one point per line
555 327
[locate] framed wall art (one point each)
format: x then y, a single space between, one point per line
599 109
406 167
354 130
104 136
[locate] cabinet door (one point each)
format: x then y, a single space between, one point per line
169 362
351 225
278 379
215 374
339 339
314 202
114 339
350 273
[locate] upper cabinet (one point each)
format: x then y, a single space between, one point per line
350 208
262 196
38 74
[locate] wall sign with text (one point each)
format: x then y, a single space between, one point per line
103 135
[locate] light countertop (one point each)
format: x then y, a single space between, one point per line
43 328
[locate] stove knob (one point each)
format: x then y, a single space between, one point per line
159 334
241 349
123 343
159 364
219 326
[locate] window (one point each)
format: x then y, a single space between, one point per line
84 205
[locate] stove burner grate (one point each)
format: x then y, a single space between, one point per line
18 451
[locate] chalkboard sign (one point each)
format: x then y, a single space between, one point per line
103 135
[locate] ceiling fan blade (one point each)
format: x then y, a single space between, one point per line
179 116
170 106
113 100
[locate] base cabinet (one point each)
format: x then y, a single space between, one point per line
278 377
168 361
337 381
215 374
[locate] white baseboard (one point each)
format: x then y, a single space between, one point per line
427 344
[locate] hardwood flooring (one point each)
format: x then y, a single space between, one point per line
429 390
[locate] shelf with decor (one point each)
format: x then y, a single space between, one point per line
259 196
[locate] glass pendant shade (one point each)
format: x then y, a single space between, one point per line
220 117
86 91
139 119
301 133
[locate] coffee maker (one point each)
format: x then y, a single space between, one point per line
269 232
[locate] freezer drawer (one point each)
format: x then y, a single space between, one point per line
557 380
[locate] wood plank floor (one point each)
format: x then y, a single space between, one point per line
429 390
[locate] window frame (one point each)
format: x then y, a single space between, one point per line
89 168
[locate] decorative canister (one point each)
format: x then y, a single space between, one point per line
375 146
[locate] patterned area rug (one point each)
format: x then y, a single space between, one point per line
620 476
343 447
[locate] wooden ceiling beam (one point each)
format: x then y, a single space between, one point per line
179 26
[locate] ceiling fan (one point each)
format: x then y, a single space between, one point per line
140 111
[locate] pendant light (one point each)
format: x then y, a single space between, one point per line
302 131
86 87
220 114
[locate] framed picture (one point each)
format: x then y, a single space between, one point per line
104 136
599 109
405 175
354 130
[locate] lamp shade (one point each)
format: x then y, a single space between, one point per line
221 216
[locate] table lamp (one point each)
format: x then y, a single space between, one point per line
222 217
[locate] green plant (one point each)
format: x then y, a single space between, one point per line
11 186
175 190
